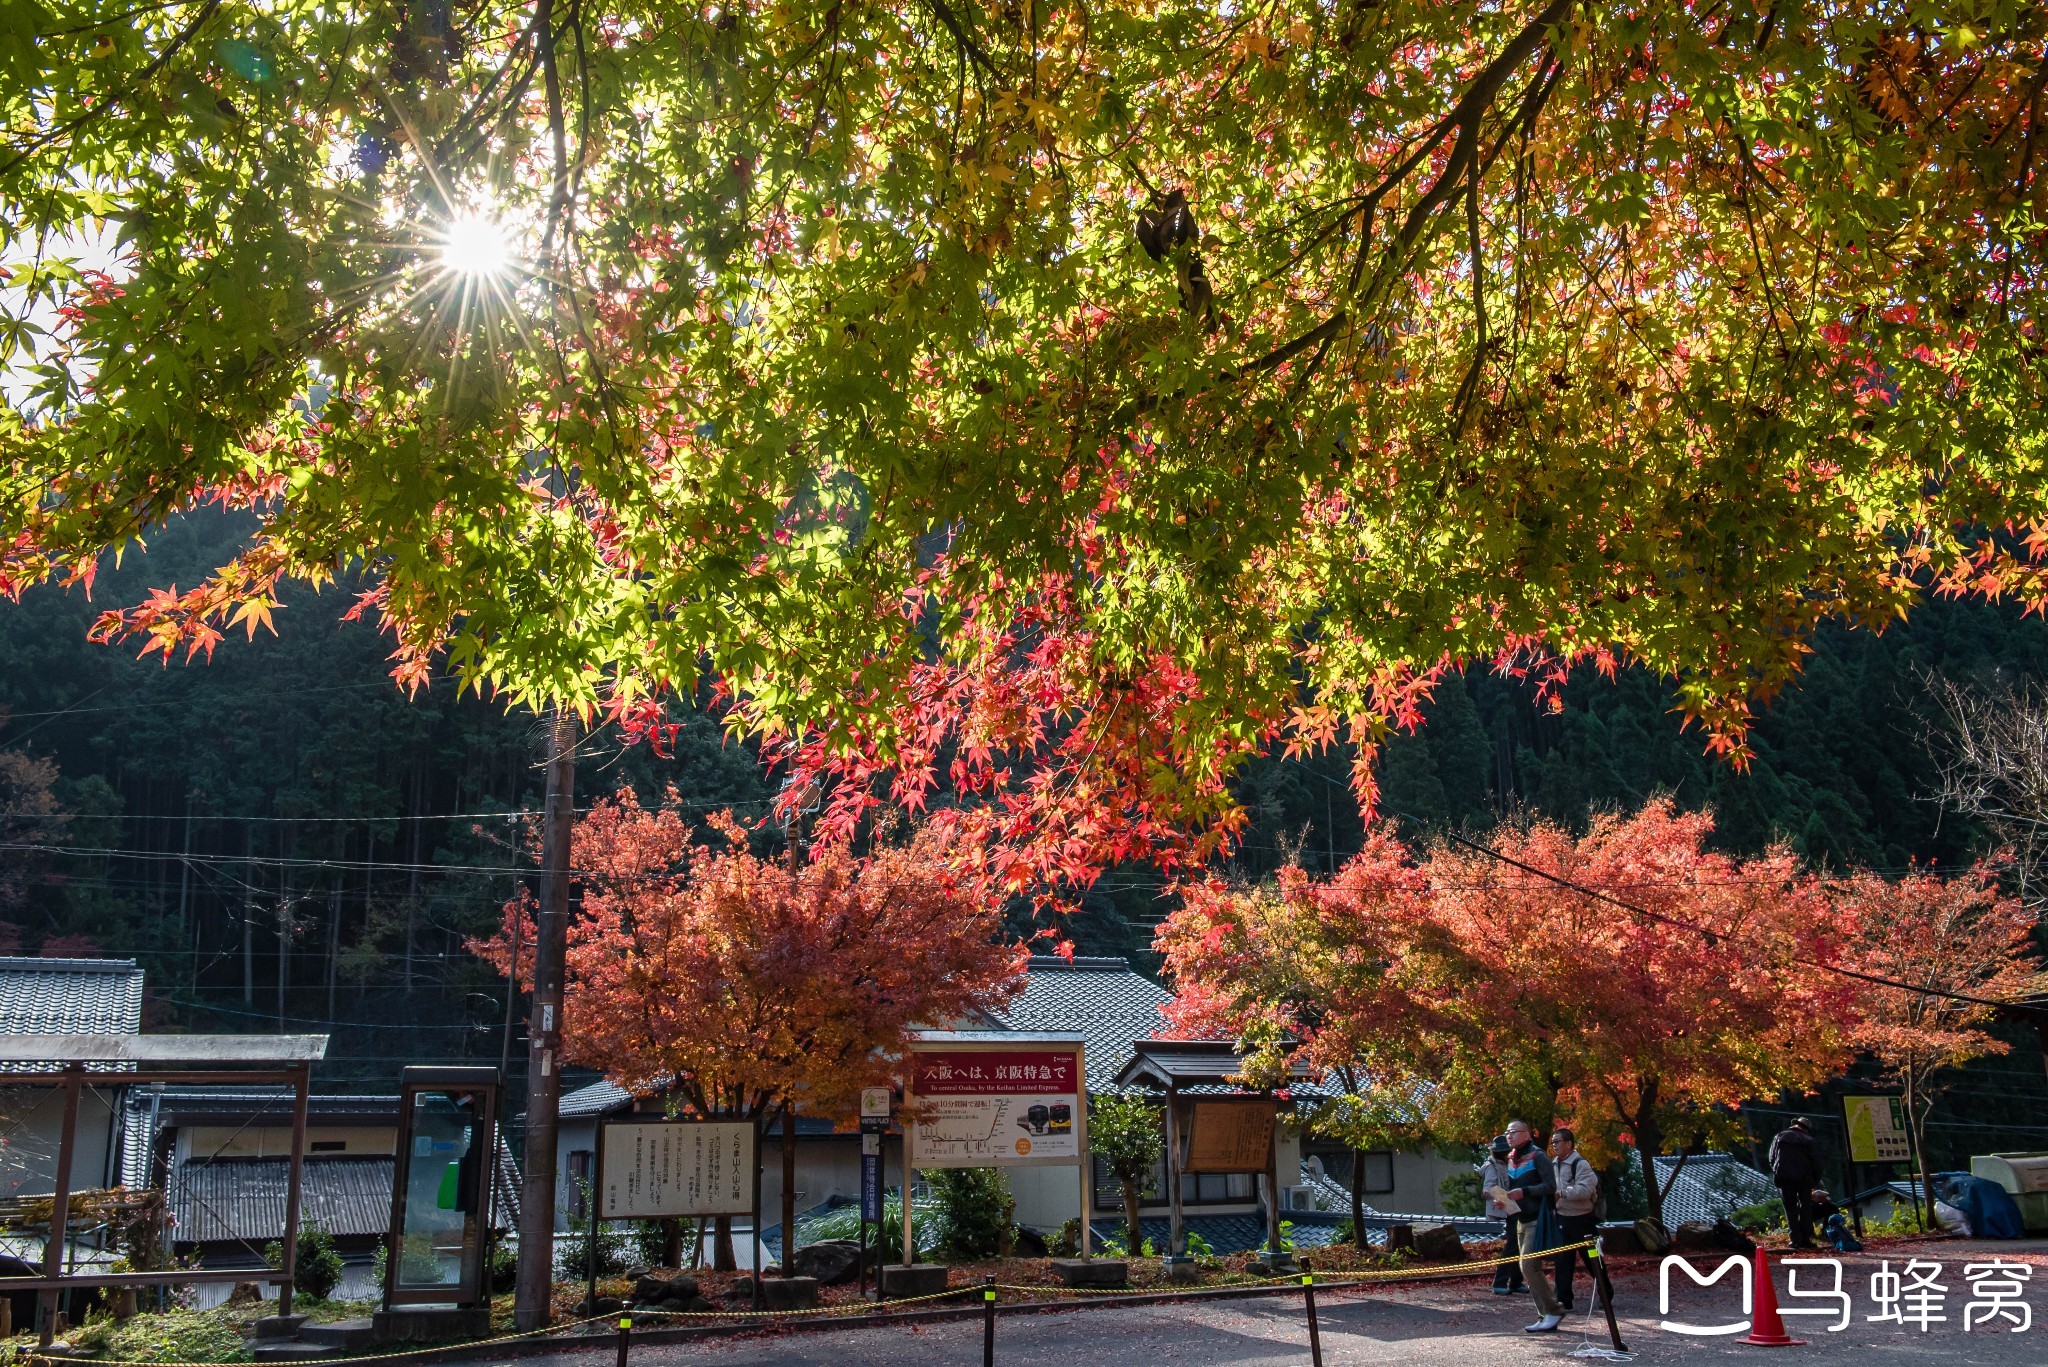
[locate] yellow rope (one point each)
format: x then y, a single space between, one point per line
37 1359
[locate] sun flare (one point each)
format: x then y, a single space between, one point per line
477 245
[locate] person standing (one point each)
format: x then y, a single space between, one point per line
1578 1193
1507 1278
1532 1184
1795 1169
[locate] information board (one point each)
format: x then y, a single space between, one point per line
1231 1136
995 1107
1877 1129
659 1169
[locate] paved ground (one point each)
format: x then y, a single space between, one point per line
1453 1324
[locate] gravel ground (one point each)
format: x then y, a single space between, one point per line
1445 1324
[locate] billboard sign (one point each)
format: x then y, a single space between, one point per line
662 1169
988 1107
1877 1129
1231 1136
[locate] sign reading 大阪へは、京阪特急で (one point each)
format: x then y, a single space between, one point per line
994 1107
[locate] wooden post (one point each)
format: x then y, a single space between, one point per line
1086 1163
1273 1190
909 1176
788 1186
302 1088
1176 1237
760 1129
60 1204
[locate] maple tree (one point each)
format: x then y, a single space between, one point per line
1055 403
1942 936
738 986
1464 990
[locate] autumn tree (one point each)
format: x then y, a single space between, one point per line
1052 404
1653 1024
1942 936
1351 975
739 986
1476 987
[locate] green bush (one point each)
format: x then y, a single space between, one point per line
614 1243
928 1225
174 1336
1460 1194
977 1208
319 1263
1764 1215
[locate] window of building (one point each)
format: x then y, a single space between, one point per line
1196 1188
579 1181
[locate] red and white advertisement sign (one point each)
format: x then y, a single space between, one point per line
995 1107
963 1072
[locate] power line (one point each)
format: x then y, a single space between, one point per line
1714 936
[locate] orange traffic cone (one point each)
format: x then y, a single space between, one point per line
1766 1325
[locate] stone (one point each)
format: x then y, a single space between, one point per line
606 1305
896 1281
653 1286
278 1326
1620 1236
833 1262
1181 1271
1276 1263
340 1335
435 1323
1030 1243
1400 1237
1711 1236
1439 1244
789 1293
1091 1271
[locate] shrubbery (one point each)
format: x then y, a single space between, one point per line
318 1269
978 1211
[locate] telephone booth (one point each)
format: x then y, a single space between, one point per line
439 1239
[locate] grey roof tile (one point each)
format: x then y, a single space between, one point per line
1100 998
66 997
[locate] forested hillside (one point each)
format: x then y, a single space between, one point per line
283 838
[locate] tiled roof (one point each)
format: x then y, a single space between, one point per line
68 997
1710 1185
241 1200
1100 998
599 1098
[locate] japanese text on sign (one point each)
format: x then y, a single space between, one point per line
676 1168
980 1108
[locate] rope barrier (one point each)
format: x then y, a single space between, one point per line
1325 1280
37 1358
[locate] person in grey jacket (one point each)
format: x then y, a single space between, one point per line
1578 1192
1507 1278
1531 1185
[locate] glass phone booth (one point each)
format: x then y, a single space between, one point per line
441 1188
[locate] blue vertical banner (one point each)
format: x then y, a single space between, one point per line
871 1177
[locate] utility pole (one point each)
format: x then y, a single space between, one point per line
544 1033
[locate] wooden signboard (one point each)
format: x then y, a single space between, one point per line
1231 1136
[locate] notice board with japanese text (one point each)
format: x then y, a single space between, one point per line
661 1169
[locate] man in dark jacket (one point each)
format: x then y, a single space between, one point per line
1795 1169
1531 1185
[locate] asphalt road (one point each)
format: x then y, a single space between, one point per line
1450 1324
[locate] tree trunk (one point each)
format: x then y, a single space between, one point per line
1917 1126
1358 1198
722 1256
671 1243
1134 1242
1649 1142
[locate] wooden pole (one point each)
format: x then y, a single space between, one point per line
1176 1238
60 1204
909 1176
302 1088
788 1186
1085 1164
544 1029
